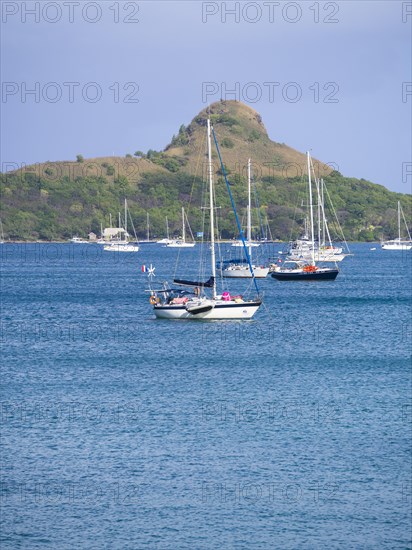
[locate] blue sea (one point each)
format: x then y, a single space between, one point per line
120 431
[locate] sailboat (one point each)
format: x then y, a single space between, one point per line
182 243
122 245
399 243
167 239
305 270
240 268
173 303
301 249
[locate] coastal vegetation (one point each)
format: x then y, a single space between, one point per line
55 200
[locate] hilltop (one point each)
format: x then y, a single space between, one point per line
55 200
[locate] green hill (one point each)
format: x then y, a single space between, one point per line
55 200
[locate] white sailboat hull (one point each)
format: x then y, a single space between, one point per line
318 257
121 248
239 244
178 244
243 272
220 310
396 245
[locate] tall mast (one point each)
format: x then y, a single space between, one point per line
167 228
249 208
399 219
212 212
125 219
311 211
323 212
183 225
319 212
148 226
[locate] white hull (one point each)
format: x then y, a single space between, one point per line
396 245
164 241
243 272
239 244
177 244
78 240
318 257
221 310
121 248
400 243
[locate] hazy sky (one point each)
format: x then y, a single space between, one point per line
116 77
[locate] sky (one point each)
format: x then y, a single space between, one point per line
104 78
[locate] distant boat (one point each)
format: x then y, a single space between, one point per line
167 239
399 243
249 244
78 240
301 271
182 243
232 269
305 270
301 249
147 240
122 245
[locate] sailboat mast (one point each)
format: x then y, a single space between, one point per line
323 212
167 228
319 212
148 226
311 211
249 210
399 220
212 212
183 225
125 219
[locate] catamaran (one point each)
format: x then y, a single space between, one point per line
175 303
123 244
399 243
239 268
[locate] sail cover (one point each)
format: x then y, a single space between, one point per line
207 284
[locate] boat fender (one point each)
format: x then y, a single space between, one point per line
153 300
